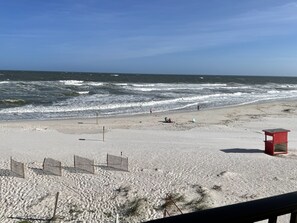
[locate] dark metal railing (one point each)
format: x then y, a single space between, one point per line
263 209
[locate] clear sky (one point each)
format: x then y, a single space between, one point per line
245 37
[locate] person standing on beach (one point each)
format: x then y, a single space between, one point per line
198 107
151 110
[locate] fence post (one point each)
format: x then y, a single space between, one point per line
23 171
56 204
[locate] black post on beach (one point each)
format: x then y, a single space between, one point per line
56 205
103 132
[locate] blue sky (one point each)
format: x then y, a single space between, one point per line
252 37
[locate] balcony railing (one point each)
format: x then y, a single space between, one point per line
252 211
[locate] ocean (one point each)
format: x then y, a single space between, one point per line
40 95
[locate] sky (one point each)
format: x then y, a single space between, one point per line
226 37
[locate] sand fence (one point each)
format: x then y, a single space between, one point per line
17 168
52 166
117 162
84 164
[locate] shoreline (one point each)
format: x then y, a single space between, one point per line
178 111
181 111
201 117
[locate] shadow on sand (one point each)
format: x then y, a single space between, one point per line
24 219
8 173
104 167
242 150
95 140
71 169
40 171
5 173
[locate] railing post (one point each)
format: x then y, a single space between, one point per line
272 219
293 218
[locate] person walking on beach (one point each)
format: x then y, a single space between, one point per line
198 107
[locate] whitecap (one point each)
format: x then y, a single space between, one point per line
83 92
95 83
72 82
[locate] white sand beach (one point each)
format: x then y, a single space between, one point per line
217 160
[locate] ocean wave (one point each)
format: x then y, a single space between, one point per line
77 98
126 107
121 84
172 87
13 102
95 83
273 92
71 94
143 85
145 89
83 92
73 107
72 82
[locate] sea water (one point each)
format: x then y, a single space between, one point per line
53 95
